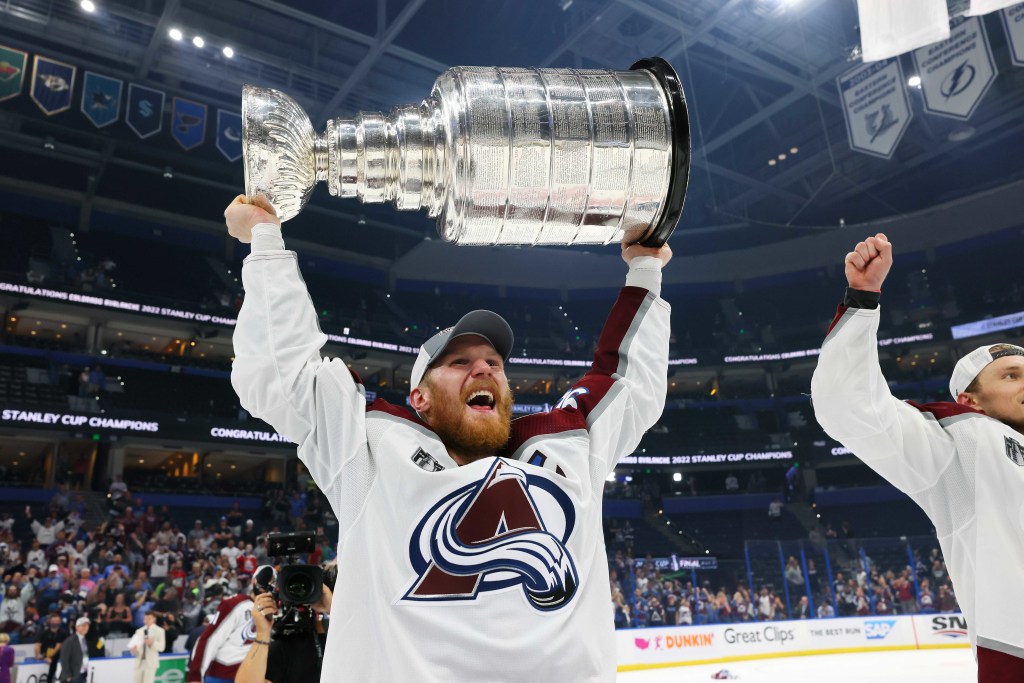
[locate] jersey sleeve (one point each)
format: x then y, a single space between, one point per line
623 394
280 376
213 637
904 443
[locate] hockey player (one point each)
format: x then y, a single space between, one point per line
962 462
471 545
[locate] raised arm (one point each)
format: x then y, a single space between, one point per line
278 372
623 394
903 442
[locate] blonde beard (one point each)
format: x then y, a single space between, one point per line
471 439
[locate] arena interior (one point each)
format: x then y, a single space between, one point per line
131 477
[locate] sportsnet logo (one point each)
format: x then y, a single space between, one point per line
954 628
878 629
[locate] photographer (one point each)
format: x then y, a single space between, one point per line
291 654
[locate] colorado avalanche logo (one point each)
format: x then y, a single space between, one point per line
509 528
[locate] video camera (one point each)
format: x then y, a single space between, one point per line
294 587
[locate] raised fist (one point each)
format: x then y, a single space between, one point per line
243 214
869 263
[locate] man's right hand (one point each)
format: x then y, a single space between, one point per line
869 263
243 214
263 610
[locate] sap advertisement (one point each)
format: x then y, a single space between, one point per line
682 645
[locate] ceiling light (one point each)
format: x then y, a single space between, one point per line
914 81
175 34
771 162
794 150
228 52
168 172
198 41
88 6
782 157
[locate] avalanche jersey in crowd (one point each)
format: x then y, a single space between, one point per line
225 642
966 470
495 570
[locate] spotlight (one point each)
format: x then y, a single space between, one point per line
794 150
228 52
914 81
175 34
782 156
88 6
772 162
198 41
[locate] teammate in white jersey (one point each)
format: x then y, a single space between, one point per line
470 546
962 462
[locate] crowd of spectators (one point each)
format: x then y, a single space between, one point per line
643 595
56 567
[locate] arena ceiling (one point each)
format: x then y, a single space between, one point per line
760 77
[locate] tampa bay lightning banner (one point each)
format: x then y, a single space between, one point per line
101 99
1013 22
229 134
52 84
188 123
145 110
12 72
956 73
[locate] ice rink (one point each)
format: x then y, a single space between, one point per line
909 666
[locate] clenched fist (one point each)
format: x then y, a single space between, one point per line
243 214
869 263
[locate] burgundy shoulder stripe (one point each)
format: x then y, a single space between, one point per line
554 422
943 409
840 311
606 358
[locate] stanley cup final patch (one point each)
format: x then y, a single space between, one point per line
1014 451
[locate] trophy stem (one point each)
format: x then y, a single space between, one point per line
391 158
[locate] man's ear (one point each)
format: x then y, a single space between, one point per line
419 399
965 399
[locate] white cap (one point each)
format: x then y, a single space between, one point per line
52 568
486 324
971 365
82 620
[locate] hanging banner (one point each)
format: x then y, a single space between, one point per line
101 99
52 83
144 113
229 134
188 123
875 107
1013 22
12 72
956 73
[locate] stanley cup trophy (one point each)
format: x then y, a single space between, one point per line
497 155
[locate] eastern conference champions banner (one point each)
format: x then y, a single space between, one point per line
651 647
956 73
875 106
1013 22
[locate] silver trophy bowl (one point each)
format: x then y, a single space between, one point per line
496 155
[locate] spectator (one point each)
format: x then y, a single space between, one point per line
119 617
794 576
825 610
74 654
49 641
775 509
732 484
12 610
803 609
6 658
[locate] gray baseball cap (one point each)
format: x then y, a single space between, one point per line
971 365
483 323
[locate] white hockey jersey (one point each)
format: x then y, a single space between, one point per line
491 571
966 470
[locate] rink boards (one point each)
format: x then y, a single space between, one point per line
686 645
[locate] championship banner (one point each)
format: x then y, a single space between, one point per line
145 110
101 99
12 72
956 73
52 83
188 123
875 107
229 134
1013 22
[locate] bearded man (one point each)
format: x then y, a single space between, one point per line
470 545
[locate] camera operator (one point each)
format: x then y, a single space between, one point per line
282 655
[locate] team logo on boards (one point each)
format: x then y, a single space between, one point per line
508 529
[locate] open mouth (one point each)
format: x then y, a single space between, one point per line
481 400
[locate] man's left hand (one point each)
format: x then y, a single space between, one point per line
631 251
